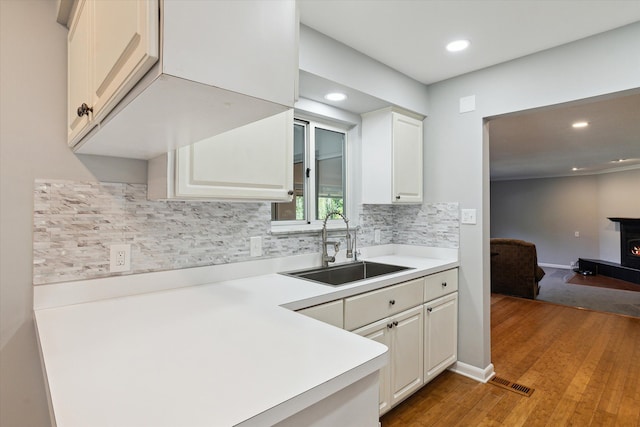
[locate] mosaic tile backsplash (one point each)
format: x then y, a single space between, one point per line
76 222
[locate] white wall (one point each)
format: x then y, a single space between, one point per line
549 211
595 66
32 145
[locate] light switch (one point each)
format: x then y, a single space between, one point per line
468 216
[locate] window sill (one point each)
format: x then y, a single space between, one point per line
313 228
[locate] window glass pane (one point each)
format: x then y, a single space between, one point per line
330 176
294 210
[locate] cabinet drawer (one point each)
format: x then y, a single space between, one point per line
366 308
439 284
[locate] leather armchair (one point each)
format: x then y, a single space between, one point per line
514 268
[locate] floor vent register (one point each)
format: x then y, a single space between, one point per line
508 385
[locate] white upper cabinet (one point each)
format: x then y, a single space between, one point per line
78 58
124 47
391 157
252 162
157 75
111 45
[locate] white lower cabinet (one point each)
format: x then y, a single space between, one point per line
417 320
330 312
403 334
440 334
380 332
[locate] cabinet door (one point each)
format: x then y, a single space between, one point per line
78 89
407 159
253 162
124 47
330 312
407 354
381 332
441 335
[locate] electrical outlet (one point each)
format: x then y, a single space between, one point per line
576 234
376 236
120 258
255 248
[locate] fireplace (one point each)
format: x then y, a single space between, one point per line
629 241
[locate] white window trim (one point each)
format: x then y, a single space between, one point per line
301 226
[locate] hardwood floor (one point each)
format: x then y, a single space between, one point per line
603 282
584 367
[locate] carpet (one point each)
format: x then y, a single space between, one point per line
554 288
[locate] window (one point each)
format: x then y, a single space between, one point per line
319 175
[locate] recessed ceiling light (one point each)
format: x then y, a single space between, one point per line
335 96
580 124
458 45
575 169
618 160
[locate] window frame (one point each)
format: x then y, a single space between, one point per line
311 223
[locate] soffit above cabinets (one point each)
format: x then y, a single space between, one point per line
315 88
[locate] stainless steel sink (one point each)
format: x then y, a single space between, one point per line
342 274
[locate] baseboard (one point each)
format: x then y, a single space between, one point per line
564 267
478 374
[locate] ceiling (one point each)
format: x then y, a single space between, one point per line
542 143
410 35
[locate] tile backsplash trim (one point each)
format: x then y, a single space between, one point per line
76 222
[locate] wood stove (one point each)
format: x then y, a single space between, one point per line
629 241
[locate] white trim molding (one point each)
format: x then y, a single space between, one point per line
478 374
564 267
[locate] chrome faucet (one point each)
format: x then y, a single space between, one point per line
326 259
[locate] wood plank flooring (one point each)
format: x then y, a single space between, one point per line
584 367
601 281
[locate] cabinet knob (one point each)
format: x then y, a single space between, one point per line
389 325
398 197
429 309
392 302
395 323
444 284
290 192
84 110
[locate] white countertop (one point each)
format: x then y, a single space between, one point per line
218 354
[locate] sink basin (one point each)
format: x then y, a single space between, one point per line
342 274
